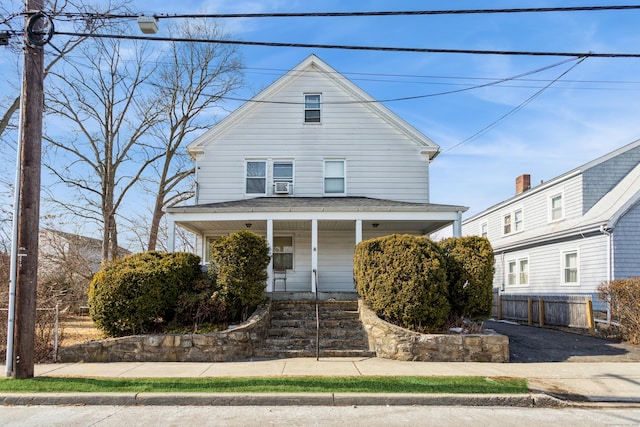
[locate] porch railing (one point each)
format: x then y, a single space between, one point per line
315 279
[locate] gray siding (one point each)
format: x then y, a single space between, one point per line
600 179
626 245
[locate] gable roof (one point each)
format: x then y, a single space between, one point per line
314 64
576 171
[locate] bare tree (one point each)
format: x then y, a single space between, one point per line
107 148
11 18
61 48
191 82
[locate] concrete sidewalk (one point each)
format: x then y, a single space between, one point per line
550 383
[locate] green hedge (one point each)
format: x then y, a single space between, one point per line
470 269
239 263
138 293
403 279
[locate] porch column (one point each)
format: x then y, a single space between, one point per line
457 225
314 253
270 267
171 234
358 231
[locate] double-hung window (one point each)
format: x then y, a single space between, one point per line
512 222
517 220
570 268
256 177
312 108
506 224
334 177
282 171
283 252
523 271
511 273
556 207
484 229
517 272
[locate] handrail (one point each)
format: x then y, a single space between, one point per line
315 278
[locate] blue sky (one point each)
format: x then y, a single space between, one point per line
590 110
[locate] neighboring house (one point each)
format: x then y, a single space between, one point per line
61 250
315 165
570 234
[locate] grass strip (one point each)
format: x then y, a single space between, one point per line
374 384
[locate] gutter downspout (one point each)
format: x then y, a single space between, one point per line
607 232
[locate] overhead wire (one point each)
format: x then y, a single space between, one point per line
352 47
365 14
514 110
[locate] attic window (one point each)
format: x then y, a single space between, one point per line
312 108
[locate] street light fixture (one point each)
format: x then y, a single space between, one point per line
148 24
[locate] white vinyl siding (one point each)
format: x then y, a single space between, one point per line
382 162
335 262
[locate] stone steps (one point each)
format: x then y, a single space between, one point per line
292 331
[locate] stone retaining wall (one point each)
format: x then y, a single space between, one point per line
225 346
393 342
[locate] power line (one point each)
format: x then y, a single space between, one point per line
514 110
352 47
361 14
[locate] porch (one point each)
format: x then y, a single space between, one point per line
312 240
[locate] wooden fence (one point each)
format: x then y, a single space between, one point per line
575 311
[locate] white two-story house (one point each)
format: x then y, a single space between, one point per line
570 234
316 165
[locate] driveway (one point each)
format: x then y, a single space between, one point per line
530 344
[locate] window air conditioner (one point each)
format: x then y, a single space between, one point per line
282 187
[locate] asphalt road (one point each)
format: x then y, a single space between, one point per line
293 416
530 344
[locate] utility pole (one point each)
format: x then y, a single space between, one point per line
29 196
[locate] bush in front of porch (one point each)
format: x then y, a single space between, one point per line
403 279
159 292
418 284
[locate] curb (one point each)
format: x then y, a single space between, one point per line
282 399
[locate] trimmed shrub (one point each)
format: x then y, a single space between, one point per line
624 297
403 279
139 293
239 262
470 267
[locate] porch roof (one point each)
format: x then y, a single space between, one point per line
334 213
315 204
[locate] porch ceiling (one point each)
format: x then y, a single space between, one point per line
383 227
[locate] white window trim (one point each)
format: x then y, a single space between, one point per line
517 272
344 176
512 215
293 253
484 223
550 206
304 111
562 268
266 177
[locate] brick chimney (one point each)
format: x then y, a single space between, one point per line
523 183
